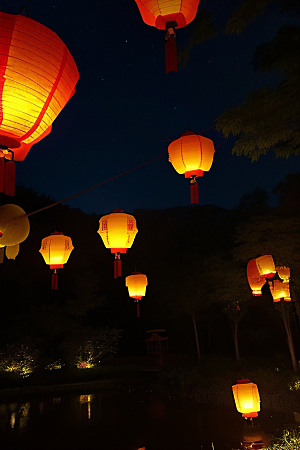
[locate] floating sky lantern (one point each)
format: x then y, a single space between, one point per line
266 266
56 250
37 78
255 280
117 231
246 397
168 15
192 154
136 283
14 229
280 290
284 273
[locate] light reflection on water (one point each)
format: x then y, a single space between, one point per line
112 420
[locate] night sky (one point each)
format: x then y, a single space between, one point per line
126 110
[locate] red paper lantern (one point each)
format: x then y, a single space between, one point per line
246 397
255 280
168 15
117 231
37 78
136 283
192 154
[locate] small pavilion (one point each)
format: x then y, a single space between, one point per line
156 344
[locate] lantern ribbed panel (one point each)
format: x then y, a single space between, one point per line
283 272
266 266
246 397
16 230
56 249
157 12
255 280
117 230
38 78
191 152
280 290
136 284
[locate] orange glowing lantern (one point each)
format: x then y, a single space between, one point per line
255 280
192 154
168 15
117 231
246 397
37 78
136 283
284 273
56 250
14 229
280 290
266 266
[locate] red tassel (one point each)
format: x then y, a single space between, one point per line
54 280
194 192
119 268
10 178
2 172
115 268
171 55
137 309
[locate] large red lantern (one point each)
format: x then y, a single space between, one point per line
255 280
168 15
246 397
37 78
266 266
280 290
192 155
136 283
117 231
56 250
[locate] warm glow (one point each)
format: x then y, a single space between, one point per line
246 397
266 266
255 280
280 290
157 12
117 230
191 153
38 77
56 249
136 283
14 229
283 272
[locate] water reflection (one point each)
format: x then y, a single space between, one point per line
87 399
19 416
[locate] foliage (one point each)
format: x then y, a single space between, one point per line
290 440
19 358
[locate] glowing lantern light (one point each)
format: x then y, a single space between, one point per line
255 280
56 250
14 229
284 273
136 283
117 231
37 78
168 15
246 397
280 290
192 154
266 266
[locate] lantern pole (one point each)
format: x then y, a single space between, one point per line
283 309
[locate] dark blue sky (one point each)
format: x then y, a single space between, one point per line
126 110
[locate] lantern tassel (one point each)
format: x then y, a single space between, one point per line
10 178
117 266
194 191
170 49
137 309
54 280
2 172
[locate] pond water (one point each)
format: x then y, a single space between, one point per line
124 420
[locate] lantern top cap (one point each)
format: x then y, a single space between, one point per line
243 381
117 210
135 273
187 133
56 232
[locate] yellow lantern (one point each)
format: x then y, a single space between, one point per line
284 273
246 397
14 229
136 283
117 231
56 250
280 290
192 154
266 266
255 280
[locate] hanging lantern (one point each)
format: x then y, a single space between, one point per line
117 231
246 397
168 15
37 78
56 250
192 154
136 283
283 272
255 280
280 290
14 229
266 266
